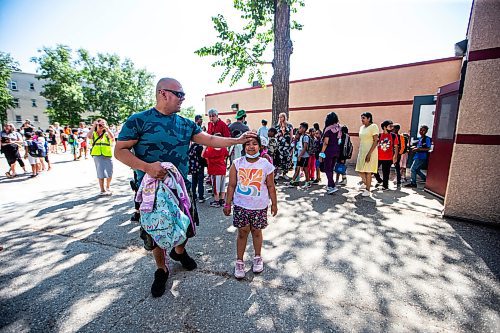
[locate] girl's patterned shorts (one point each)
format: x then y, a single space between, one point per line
256 218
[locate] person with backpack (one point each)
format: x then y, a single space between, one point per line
160 135
216 160
330 151
421 156
302 150
41 141
197 171
345 154
102 139
403 151
388 149
31 153
11 140
73 143
312 149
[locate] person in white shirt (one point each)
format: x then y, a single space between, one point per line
263 129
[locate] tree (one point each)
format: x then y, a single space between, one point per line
113 89
188 112
241 52
7 65
103 86
62 86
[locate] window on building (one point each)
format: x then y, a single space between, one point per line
35 118
16 102
19 119
33 103
13 85
32 86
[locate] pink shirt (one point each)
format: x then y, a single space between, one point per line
251 189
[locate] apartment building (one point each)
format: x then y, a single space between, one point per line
29 104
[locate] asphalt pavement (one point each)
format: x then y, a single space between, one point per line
73 262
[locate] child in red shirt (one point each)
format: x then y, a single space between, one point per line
216 160
388 144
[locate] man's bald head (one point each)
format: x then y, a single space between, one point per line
169 95
167 83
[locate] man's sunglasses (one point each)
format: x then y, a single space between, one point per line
178 94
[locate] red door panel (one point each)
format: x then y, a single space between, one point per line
443 137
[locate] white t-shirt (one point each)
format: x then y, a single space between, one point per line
251 189
82 132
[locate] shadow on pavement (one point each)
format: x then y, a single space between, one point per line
333 263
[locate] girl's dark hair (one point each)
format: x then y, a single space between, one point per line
368 115
316 126
258 141
345 129
272 130
330 119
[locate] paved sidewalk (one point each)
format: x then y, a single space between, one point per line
72 262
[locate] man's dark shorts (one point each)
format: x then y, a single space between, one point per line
303 161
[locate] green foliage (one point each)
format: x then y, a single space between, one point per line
113 89
188 112
63 84
7 65
103 86
242 52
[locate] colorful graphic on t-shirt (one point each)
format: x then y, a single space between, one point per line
385 144
249 182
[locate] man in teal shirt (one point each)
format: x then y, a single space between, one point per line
161 135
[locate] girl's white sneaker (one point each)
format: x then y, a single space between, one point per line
258 264
239 269
366 193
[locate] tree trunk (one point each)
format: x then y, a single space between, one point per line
281 61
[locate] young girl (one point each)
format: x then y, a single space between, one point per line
318 144
251 184
216 160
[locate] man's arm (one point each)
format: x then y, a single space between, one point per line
206 139
124 155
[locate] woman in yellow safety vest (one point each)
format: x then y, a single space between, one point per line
102 139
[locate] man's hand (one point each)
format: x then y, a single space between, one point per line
155 170
227 210
394 159
245 137
274 210
368 158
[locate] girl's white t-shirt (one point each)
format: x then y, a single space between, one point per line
251 189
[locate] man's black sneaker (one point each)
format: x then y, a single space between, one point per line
149 244
135 217
186 261
411 185
158 286
316 181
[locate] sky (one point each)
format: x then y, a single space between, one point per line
161 36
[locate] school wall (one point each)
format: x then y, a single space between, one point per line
472 191
385 92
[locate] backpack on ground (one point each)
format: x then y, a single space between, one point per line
348 148
36 148
404 141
